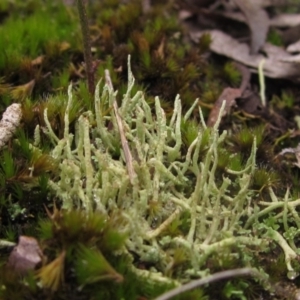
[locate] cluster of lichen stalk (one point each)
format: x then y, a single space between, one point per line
131 161
95 174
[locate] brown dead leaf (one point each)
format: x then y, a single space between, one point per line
261 3
146 6
285 20
246 76
184 14
275 65
294 47
279 21
228 95
257 20
292 59
233 15
250 103
25 256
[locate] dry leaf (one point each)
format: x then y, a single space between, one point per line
261 3
233 15
275 65
228 95
184 14
257 20
293 59
279 21
146 6
294 47
25 256
250 103
285 20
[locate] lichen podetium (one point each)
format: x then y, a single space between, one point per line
176 201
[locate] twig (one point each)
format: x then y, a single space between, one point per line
146 6
209 279
154 233
90 71
9 123
127 153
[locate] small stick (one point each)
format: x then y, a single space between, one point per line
127 153
209 279
9 123
90 71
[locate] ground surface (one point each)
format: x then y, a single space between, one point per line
198 49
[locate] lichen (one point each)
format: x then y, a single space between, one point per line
214 212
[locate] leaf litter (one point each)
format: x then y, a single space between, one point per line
251 50
279 62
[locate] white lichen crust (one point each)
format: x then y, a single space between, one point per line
9 123
169 185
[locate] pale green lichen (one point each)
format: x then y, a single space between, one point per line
93 177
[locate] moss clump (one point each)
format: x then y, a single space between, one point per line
40 35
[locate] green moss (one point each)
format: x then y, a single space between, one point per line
275 38
36 31
263 179
286 101
189 131
91 266
231 74
7 164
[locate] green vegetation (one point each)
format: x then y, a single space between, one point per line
24 38
130 193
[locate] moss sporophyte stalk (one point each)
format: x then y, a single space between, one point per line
174 200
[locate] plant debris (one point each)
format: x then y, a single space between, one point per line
9 123
26 256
